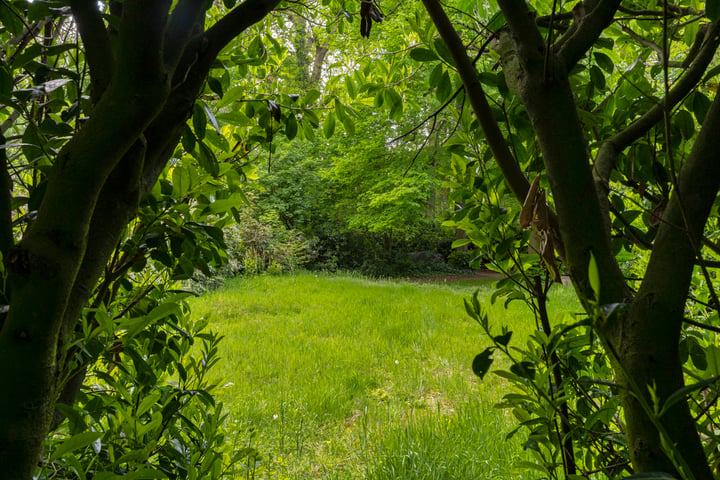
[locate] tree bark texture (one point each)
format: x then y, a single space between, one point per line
144 86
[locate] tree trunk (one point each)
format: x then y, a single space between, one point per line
93 190
645 339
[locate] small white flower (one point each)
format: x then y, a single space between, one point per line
276 416
397 362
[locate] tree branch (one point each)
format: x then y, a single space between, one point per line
116 206
529 41
185 22
141 45
609 151
548 99
587 32
644 41
660 303
496 140
6 235
98 52
234 23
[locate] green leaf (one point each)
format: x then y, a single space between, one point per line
217 140
460 242
188 140
311 97
291 127
231 95
651 476
443 51
436 75
684 121
234 117
74 443
350 87
700 105
597 77
144 474
136 325
594 276
199 120
444 88
697 355
503 339
344 117
523 369
421 54
211 117
329 125
147 403
482 362
215 86
680 394
308 131
395 102
221 206
181 181
207 160
604 62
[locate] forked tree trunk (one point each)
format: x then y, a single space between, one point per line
144 85
643 341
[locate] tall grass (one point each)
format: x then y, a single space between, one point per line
338 376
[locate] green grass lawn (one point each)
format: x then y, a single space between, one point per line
338 376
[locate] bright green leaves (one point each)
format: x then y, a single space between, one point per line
594 276
76 442
340 113
684 123
443 87
181 181
329 125
394 102
207 159
597 77
344 117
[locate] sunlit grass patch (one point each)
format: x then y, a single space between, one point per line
339 376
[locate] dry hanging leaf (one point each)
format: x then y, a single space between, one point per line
369 12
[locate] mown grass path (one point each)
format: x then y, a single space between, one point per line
337 376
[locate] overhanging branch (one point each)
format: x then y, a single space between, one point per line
496 140
6 236
140 49
608 153
234 23
98 52
185 22
588 31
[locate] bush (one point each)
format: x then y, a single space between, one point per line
147 409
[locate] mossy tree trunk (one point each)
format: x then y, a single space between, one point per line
644 339
146 75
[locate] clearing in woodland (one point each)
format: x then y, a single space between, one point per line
339 376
